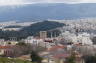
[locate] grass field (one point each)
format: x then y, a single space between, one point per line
9 60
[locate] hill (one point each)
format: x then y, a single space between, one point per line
32 30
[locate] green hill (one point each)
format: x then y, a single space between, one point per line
33 30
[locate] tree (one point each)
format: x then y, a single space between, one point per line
35 57
90 59
21 44
71 59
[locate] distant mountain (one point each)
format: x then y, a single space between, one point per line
45 11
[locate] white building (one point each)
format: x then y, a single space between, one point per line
33 40
83 38
40 42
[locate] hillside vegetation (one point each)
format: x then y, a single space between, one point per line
32 30
9 60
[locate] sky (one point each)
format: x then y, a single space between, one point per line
20 2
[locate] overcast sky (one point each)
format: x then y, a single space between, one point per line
13 2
